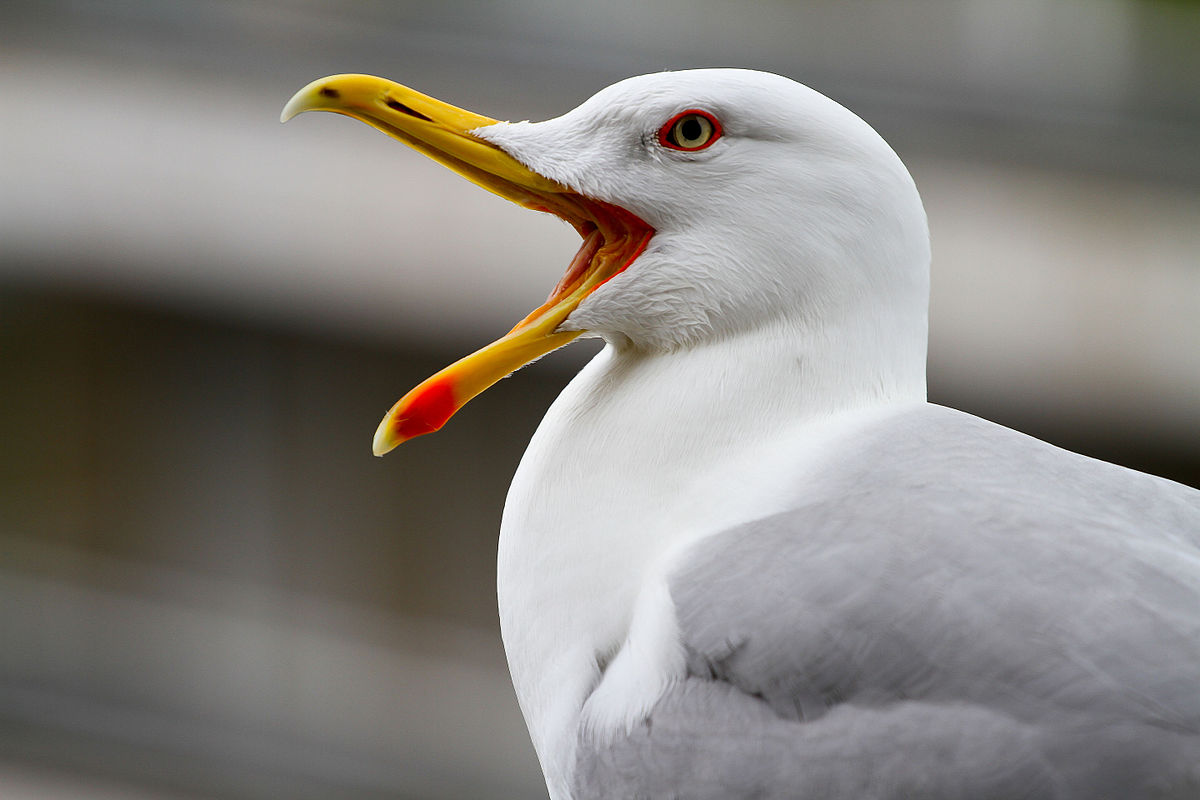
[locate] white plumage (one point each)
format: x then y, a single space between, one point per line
743 557
778 315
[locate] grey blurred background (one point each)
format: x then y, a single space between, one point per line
210 589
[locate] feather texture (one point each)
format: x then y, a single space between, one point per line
954 610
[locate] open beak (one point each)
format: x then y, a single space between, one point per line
612 237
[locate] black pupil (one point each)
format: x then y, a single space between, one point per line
690 129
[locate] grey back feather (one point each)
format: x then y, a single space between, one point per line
952 610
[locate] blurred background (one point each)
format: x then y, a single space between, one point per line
210 589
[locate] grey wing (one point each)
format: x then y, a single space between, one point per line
954 610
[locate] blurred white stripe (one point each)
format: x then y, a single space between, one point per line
1073 293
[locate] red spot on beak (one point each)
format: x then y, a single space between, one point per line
428 411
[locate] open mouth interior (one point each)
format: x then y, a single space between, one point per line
612 239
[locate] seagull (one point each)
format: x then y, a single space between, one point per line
743 556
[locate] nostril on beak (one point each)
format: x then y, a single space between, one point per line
396 105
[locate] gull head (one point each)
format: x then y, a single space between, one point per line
711 203
768 200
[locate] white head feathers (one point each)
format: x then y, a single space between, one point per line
799 216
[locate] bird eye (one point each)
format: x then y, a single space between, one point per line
690 130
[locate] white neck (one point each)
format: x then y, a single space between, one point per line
643 450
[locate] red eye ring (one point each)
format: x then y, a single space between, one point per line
673 136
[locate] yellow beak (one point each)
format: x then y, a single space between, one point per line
613 237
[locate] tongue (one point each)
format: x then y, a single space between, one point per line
579 265
575 275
